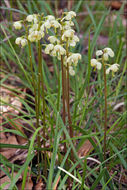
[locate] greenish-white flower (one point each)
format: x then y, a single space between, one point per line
18 40
47 24
50 17
71 71
30 18
74 40
17 25
49 48
67 25
74 58
53 39
99 52
95 63
114 68
33 28
35 36
68 34
23 42
60 49
70 15
107 52
55 24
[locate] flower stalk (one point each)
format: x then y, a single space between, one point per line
103 57
105 113
41 85
68 95
36 104
63 97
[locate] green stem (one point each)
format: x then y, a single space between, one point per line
63 92
63 97
11 16
105 113
36 102
41 84
68 95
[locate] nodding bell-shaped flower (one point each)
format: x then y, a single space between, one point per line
67 25
30 18
99 53
60 50
70 15
71 71
55 24
47 24
50 17
53 39
35 36
49 48
33 28
68 34
95 63
74 40
18 40
107 52
17 25
74 58
23 42
114 68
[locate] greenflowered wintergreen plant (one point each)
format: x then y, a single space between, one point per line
59 47
36 28
101 61
34 33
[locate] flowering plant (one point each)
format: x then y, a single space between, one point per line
103 57
37 27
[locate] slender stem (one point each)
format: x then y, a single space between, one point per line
68 95
56 8
36 102
33 82
105 113
63 91
11 15
70 4
63 98
41 84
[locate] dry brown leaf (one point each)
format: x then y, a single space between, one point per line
39 185
28 184
10 151
116 4
7 179
85 148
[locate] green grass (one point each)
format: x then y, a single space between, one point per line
87 107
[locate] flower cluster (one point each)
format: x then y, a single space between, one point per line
103 56
64 36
